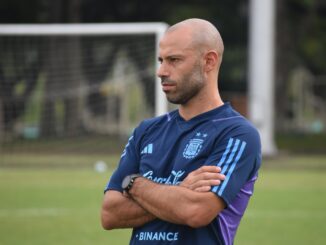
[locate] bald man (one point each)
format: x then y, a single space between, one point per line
186 177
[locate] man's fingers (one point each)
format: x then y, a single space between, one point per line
202 178
213 169
209 175
196 180
203 189
203 183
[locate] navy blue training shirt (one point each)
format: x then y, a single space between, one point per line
166 149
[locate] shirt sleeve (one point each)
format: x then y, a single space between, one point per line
239 156
129 164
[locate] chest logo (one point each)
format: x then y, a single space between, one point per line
194 146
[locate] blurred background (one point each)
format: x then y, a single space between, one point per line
69 102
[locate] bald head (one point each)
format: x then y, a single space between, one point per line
204 36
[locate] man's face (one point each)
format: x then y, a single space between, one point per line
180 71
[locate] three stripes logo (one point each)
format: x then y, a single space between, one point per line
147 149
228 162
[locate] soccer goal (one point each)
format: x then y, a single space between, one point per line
64 79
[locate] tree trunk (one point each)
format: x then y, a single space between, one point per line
63 74
48 117
1 124
72 104
284 51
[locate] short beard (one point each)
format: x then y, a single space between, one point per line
191 84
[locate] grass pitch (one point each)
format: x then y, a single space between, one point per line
62 206
53 207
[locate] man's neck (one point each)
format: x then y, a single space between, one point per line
194 108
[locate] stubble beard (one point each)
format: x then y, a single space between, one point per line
188 87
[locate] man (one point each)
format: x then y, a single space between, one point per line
167 186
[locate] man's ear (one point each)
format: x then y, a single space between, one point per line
211 60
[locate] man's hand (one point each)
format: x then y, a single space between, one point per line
203 178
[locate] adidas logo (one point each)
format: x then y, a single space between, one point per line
147 149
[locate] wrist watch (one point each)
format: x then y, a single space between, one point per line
128 181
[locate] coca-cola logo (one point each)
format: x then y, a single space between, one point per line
172 179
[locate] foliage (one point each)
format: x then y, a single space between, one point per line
307 19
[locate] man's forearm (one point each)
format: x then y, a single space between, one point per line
176 204
154 200
123 212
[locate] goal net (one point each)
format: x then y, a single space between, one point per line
67 81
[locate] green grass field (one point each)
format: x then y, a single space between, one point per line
61 205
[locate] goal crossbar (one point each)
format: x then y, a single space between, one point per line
83 29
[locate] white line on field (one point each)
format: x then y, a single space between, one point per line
286 214
33 212
274 214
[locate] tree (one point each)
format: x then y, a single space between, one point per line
300 43
16 72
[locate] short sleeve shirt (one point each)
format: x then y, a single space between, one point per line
166 149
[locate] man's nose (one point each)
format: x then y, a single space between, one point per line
162 71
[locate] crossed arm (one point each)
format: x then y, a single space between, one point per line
191 203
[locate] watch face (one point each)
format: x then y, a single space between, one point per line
128 181
125 182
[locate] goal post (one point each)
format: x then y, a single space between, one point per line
261 71
156 28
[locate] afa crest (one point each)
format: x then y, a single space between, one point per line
193 147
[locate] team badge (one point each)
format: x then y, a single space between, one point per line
193 147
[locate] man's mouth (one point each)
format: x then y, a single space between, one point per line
166 86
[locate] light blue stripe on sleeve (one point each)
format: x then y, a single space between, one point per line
125 149
227 150
227 178
230 159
